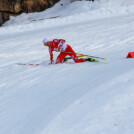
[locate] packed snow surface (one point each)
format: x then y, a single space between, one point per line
69 98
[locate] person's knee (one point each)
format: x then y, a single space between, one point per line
59 60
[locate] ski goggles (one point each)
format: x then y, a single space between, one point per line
46 44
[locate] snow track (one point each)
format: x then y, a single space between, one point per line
68 98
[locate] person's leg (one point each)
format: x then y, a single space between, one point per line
60 58
73 55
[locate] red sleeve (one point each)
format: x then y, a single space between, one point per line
51 55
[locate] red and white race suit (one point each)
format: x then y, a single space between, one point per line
60 45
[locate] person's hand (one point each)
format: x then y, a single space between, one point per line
51 62
57 50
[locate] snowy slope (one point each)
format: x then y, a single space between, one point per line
69 98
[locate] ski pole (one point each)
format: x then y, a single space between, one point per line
87 55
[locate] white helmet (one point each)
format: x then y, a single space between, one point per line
45 40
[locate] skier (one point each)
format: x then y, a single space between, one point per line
65 49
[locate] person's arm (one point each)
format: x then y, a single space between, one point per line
62 44
51 55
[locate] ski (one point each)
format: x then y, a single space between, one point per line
92 59
27 64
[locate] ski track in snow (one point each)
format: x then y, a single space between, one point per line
68 98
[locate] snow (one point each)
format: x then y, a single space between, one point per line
69 98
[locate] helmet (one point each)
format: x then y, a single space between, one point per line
45 40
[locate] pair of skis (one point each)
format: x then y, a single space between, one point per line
80 56
66 59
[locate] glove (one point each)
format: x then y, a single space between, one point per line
58 50
51 62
